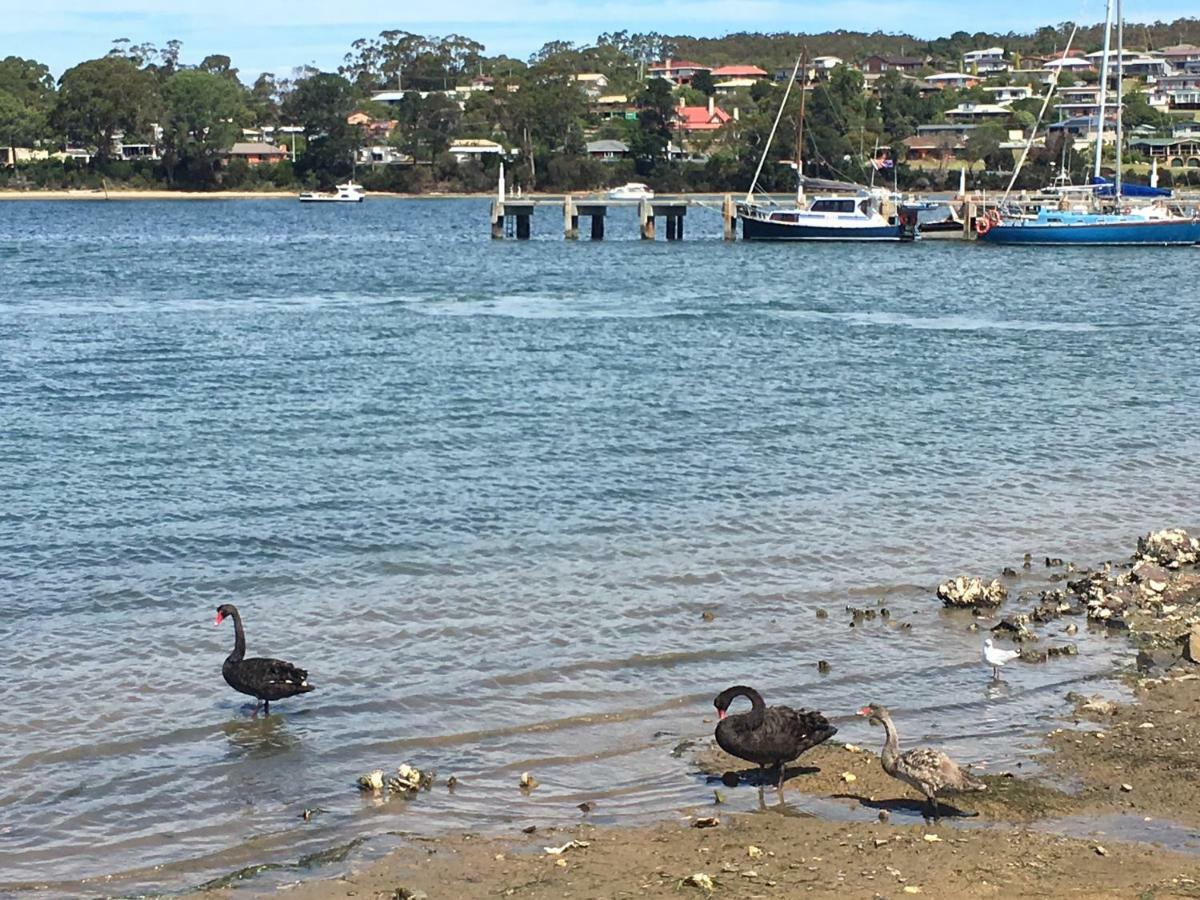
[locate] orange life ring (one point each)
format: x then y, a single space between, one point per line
994 216
982 225
1126 210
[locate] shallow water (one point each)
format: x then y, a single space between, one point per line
484 491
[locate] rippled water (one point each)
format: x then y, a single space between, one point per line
484 491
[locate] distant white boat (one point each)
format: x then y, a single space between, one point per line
345 193
634 190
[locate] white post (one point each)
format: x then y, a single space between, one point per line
1154 171
500 184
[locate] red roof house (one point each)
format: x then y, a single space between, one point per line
739 72
701 118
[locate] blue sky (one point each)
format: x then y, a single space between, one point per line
276 37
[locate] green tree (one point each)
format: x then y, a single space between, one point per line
321 103
656 119
203 113
703 82
101 97
983 144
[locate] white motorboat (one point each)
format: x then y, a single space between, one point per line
345 193
634 190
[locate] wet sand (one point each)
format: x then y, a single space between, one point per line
1109 812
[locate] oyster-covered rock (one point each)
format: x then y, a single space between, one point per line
970 593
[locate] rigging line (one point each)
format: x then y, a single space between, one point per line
770 138
1033 134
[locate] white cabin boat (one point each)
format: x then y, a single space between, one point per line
345 193
634 190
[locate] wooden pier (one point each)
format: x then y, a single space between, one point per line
512 217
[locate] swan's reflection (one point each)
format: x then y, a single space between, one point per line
260 738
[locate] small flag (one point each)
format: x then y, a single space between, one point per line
882 162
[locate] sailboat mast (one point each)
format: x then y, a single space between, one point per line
1120 99
1108 14
771 137
800 131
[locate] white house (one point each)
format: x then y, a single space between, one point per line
1010 93
593 83
987 61
978 112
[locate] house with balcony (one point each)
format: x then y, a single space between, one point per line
1009 93
613 106
677 71
978 112
986 62
878 64
1172 152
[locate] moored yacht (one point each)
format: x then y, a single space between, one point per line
858 217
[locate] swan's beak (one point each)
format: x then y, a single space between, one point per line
865 711
722 713
219 618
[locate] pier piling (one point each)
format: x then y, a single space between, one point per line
729 216
570 219
497 217
646 220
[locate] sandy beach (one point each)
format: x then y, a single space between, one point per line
1108 812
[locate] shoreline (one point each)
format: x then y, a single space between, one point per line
1109 813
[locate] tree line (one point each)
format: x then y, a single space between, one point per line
193 113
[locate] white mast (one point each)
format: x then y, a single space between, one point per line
1108 15
1120 99
771 137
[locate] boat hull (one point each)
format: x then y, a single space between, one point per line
1181 232
754 229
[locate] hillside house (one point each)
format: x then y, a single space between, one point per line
951 80
607 151
986 62
698 119
593 83
256 153
878 64
677 71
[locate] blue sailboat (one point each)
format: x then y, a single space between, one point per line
1112 214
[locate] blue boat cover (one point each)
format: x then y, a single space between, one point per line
1107 189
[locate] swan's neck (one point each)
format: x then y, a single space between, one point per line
891 745
239 639
754 718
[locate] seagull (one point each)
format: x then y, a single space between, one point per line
995 657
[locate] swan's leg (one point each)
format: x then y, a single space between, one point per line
782 773
266 707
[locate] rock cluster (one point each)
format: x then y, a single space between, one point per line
405 783
1172 547
971 593
1153 583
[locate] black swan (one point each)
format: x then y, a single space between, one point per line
265 679
929 771
769 736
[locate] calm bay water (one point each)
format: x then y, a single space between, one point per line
484 491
